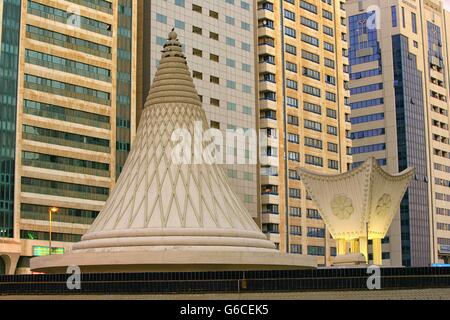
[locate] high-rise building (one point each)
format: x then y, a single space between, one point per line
399 83
219 43
302 70
67 117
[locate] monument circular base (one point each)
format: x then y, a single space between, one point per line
171 261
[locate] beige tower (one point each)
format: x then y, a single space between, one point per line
302 75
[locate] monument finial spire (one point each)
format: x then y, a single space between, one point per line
173 81
173 35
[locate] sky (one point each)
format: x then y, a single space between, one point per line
447 4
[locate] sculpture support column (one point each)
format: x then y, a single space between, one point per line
377 252
354 246
363 248
341 247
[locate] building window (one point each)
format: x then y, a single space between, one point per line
180 25
214 102
294 156
180 3
293 120
331 113
368 118
308 6
213 57
197 75
316 232
290 32
294 193
310 56
289 15
332 130
292 102
313 143
414 22
293 138
394 16
295 230
332 147
213 14
316 251
214 36
333 164
310 40
296 249
311 107
403 18
311 90
270 228
161 18
197 30
197 52
215 125
291 84
313 160
309 23
313 214
295 212
291 49
313 125
196 8
214 79
369 148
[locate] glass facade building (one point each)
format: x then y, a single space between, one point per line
411 146
68 116
10 17
404 123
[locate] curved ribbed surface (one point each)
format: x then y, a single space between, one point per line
173 82
158 204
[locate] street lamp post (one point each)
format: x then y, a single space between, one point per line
51 211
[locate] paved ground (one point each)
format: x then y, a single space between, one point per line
425 294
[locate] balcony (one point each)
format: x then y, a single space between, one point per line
266 45
266 67
265 179
270 199
269 190
271 105
266 85
270 218
274 237
265 9
266 30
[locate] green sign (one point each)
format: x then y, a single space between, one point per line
39 251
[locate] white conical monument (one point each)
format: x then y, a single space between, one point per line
163 216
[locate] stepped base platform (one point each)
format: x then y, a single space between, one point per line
172 260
